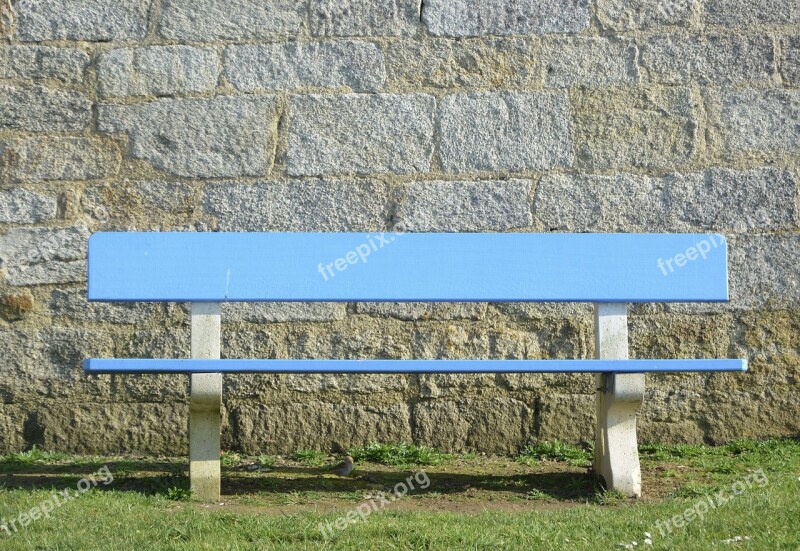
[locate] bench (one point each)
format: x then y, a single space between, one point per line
610 270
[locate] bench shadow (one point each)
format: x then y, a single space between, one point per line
144 476
566 486
169 478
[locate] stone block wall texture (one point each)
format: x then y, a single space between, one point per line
357 115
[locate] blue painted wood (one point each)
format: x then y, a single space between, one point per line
408 366
216 267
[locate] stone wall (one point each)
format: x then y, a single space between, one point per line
447 115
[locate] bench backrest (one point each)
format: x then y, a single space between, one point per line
445 267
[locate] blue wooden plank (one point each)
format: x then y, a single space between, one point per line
215 267
408 366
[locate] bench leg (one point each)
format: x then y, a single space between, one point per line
205 405
619 397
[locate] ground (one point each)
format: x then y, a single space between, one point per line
739 496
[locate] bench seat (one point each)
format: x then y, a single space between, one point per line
409 366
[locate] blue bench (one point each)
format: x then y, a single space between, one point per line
610 270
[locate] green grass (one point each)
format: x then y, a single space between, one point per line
312 458
178 494
536 494
490 503
608 497
554 451
32 456
267 461
399 454
736 457
230 459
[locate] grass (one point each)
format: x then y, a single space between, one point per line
230 459
554 451
32 456
267 461
608 497
311 458
482 502
178 494
399 454
536 494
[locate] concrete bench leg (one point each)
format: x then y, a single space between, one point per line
204 409
619 397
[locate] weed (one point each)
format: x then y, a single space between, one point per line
176 493
554 451
608 497
312 458
536 494
34 455
230 459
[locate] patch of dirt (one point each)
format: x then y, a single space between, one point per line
485 483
